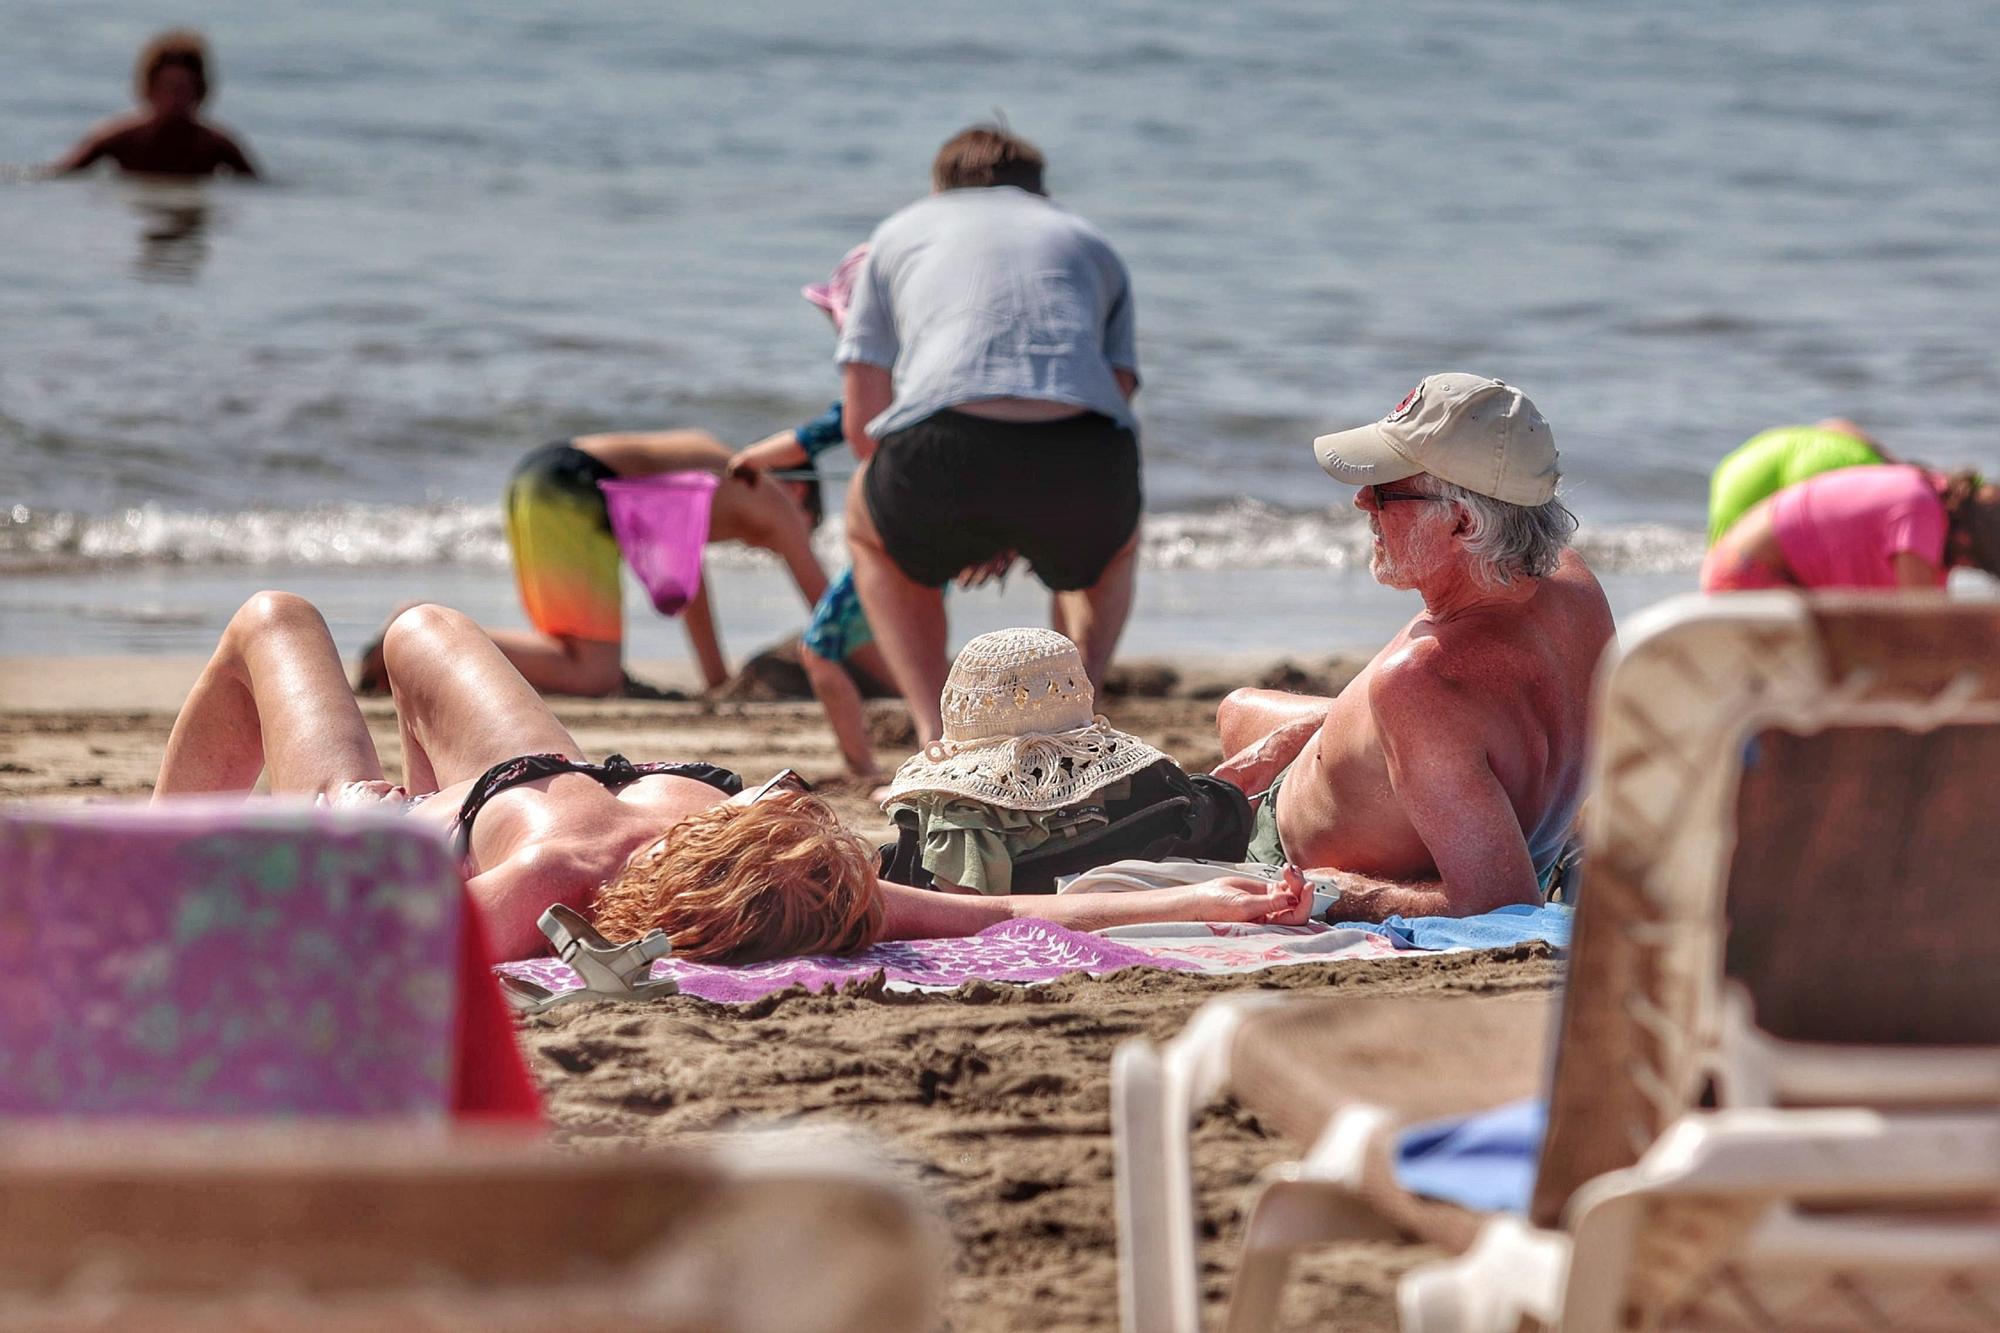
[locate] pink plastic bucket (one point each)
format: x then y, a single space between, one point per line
661 523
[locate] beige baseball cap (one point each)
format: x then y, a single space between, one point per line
1472 431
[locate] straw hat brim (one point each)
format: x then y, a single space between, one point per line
1030 773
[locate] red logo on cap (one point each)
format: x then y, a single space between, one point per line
1403 408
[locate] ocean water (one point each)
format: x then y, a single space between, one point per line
493 224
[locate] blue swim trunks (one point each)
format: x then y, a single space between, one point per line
838 626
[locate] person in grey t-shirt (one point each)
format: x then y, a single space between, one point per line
988 368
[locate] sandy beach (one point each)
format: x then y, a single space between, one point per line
993 1099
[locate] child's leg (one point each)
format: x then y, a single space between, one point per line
274 694
587 667
841 699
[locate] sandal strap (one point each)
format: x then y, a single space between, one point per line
607 969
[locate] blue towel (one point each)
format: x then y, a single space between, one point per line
1485 1162
1489 930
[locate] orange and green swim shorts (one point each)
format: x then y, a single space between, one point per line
565 558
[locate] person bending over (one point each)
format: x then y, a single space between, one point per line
567 562
1861 527
730 877
1444 779
1768 462
988 366
166 136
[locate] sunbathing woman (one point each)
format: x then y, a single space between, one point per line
670 845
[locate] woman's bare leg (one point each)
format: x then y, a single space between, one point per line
462 707
274 695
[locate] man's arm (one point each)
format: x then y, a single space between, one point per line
1254 768
866 391
1435 744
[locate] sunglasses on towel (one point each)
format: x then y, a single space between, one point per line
785 779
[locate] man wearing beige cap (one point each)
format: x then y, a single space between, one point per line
1444 779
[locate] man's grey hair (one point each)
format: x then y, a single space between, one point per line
1505 541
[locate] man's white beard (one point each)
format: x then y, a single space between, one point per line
1423 546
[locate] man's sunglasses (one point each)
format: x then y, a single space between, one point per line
1384 496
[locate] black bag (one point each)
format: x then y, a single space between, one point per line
1165 813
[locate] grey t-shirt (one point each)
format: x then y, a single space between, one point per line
991 293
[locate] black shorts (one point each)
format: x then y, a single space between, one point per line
956 490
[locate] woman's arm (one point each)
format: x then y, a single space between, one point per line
918 914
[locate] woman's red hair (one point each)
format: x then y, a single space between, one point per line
742 883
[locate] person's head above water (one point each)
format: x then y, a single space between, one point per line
1482 452
984 156
171 74
743 883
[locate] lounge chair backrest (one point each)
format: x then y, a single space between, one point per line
212 959
1881 869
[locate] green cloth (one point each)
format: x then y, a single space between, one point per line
1767 463
1266 847
973 845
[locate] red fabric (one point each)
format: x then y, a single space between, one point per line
491 1080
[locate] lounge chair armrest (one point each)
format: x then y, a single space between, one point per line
1814 1153
1512 1271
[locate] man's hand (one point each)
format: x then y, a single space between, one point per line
1287 902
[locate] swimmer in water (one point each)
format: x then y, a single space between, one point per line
166 136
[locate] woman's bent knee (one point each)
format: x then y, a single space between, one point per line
272 609
424 623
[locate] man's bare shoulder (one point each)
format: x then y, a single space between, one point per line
1418 676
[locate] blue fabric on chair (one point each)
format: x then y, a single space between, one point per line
1485 1162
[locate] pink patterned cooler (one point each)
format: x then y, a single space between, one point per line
210 958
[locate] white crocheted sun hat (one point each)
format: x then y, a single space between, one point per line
1020 730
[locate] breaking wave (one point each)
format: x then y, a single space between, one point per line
1240 534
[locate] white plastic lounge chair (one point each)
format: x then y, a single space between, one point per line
1792 794
369 1228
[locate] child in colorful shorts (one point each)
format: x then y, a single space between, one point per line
566 560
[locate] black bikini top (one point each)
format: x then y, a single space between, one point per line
616 771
